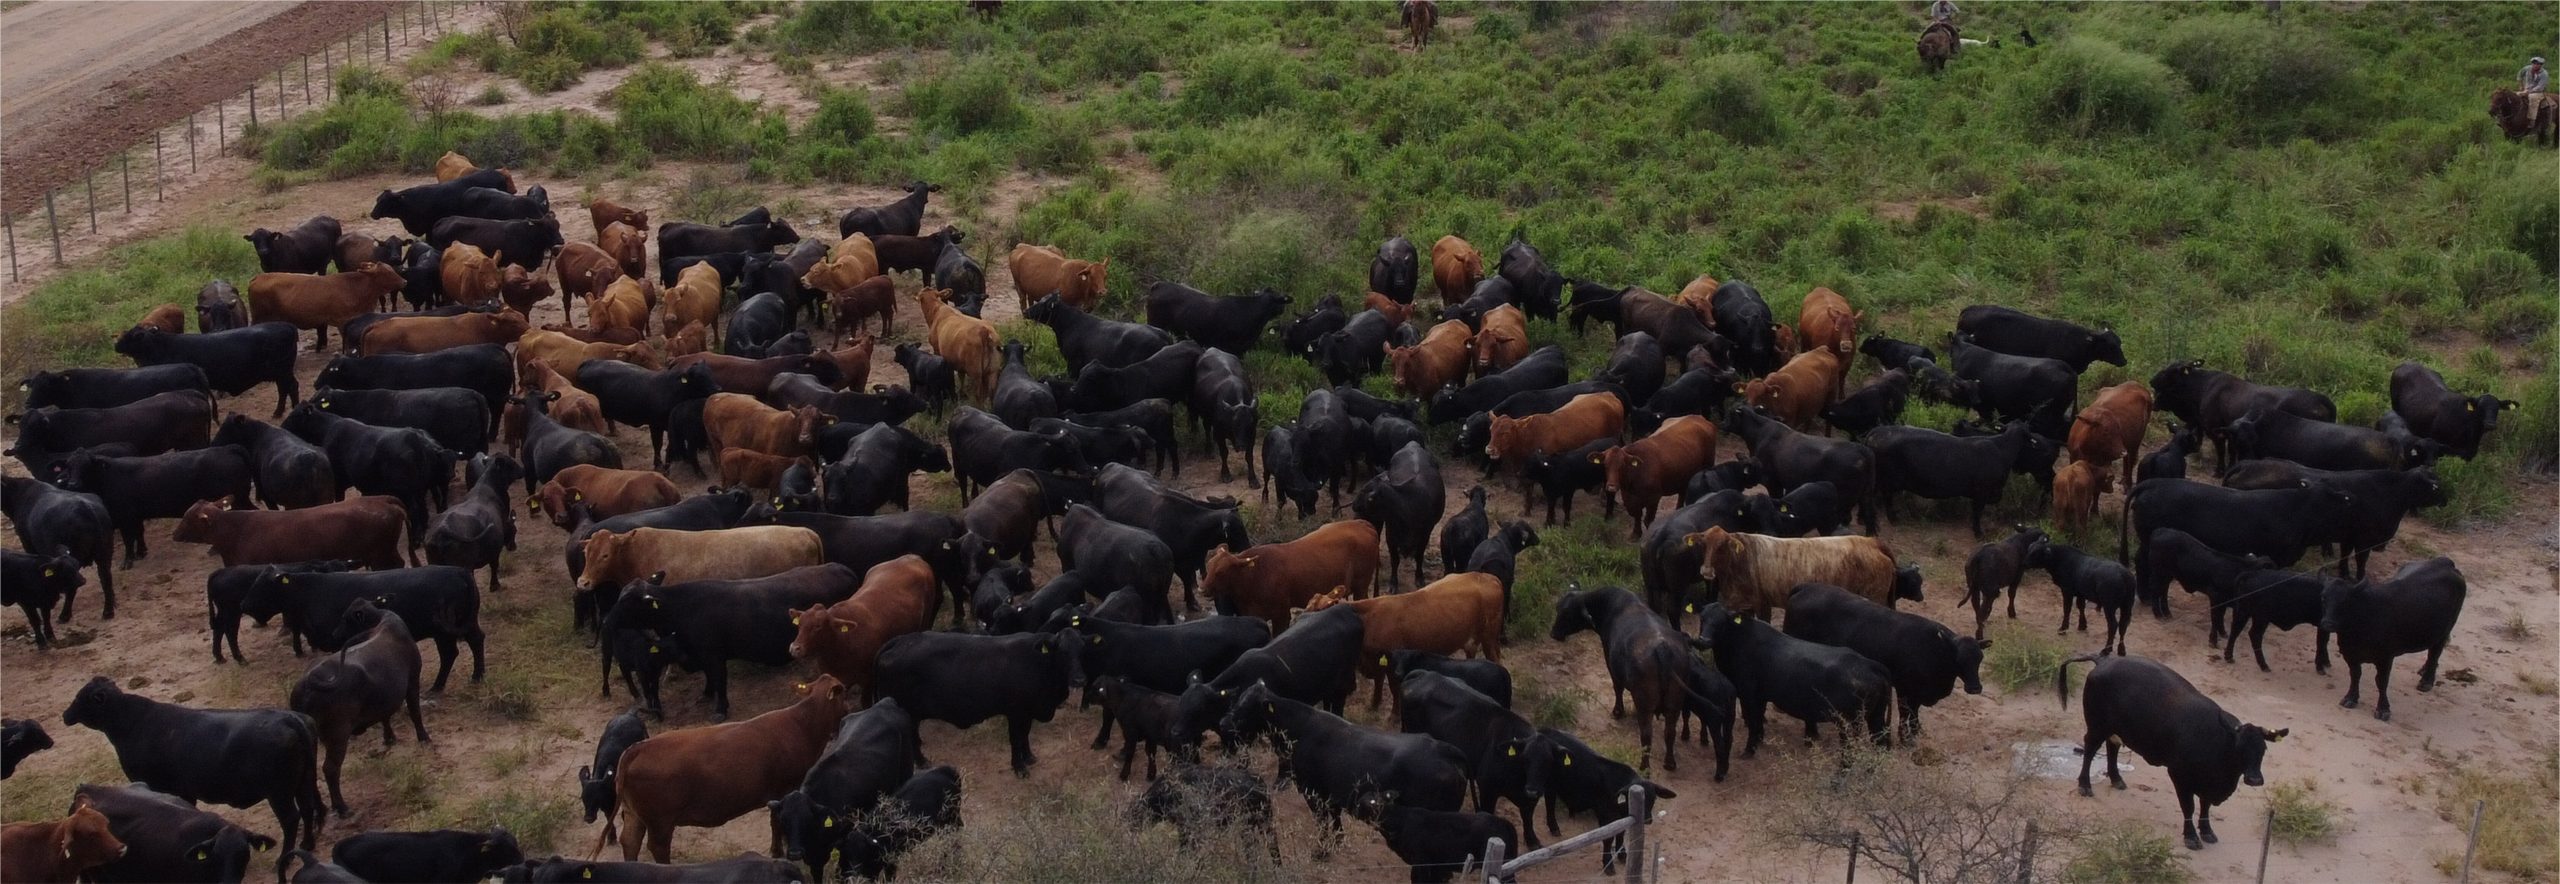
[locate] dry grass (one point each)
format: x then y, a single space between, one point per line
2301 815
2523 809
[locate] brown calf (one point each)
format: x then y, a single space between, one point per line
629 246
470 275
427 334
737 420
575 408
564 353
1699 296
60 850
1585 419
1502 340
320 302
1387 307
453 165
736 373
607 493
584 272
624 304
166 317
848 309
606 213
2075 492
897 597
1439 360
522 291
742 468
368 529
692 338
1826 322
848 264
1267 581
1043 270
2112 427
707 776
694 298
967 342
1642 472
1456 267
853 361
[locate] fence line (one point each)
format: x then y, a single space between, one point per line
414 22
1631 860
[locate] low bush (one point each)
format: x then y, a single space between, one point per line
1725 95
977 96
2127 853
671 112
2088 86
2300 815
1239 81
2523 810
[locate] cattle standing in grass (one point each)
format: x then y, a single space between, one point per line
401 463
2170 460
1997 566
1755 573
1790 458
2381 499
707 776
235 758
1459 612
1039 271
843 632
2210 401
1406 500
427 857
1926 660
872 752
1116 555
2413 611
1671 564
2325 446
1189 526
2137 703
1507 757
69 524
2434 411
1645 655
1203 799
1335 762
962 680
903 216
2113 427
1160 658
1313 661
927 803
1232 324
1641 473
966 342
172 421
2020 334
61 850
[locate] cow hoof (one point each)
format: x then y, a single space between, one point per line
2208 837
2116 782
2348 703
2085 791
2193 844
2424 685
2382 713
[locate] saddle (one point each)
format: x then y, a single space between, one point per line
1948 27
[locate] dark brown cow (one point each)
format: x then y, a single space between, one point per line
604 491
321 302
606 213
60 850
707 776
897 597
1640 473
849 309
1439 360
368 529
1269 580
2112 427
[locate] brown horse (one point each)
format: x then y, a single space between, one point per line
1937 44
2522 115
1420 16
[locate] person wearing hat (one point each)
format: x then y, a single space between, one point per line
2533 80
1942 11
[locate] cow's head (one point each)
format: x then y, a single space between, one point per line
2249 747
389 204
1969 661
810 829
2104 346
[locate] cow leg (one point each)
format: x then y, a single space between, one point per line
2320 656
2186 820
2115 776
2230 642
1019 728
1977 519
334 758
1528 831
417 718
1644 737
2066 615
1910 726
1670 744
715 687
2427 672
1755 720
2355 681
2088 754
2013 597
1129 754
2204 821
1618 701
2382 689
445 652
479 664
659 836
2257 645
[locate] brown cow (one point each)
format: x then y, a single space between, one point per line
694 298
707 776
353 250
564 353
522 291
1826 321
1584 419
853 361
453 165
2075 492
605 213
1458 612
1798 391
1395 313
628 245
1420 17
1043 270
1456 267
737 420
1640 473
850 263
605 491
1439 360
1267 581
965 341
1753 573
614 559
427 334
319 302
60 850
584 272
743 468
692 338
368 529
897 597
1699 296
848 309
470 275
617 336
740 374
167 317
1502 340
2113 426
624 304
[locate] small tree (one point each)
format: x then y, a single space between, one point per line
1920 822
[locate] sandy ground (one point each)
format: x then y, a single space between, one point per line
2378 773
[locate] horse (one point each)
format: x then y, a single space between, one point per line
2522 115
1419 16
1937 44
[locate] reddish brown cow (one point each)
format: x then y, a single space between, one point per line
1387 307
1826 321
453 165
1699 296
624 304
735 373
616 336
368 529
1502 340
605 491
1458 612
321 302
1439 360
1269 580
2075 492
1586 418
606 213
470 275
1456 267
848 309
1642 472
694 298
60 850
965 341
614 559
1042 270
576 408
564 353
628 245
707 776
427 334
1797 392
742 468
692 338
166 317
2112 427
584 271
853 361
521 290
737 420
851 262
897 597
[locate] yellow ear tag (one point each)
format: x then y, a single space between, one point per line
286 580
576 496
1568 761
1782 508
828 823
1270 707
1222 693
1095 640
1622 799
653 604
841 628
653 649
48 572
591 873
532 506
1691 608
201 856
1513 752
795 619
1044 649
1382 659
324 405
1737 618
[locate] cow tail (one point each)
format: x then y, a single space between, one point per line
2062 677
306 753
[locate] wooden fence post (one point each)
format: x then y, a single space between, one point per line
1493 855
306 80
279 95
253 104
2472 849
1854 838
159 170
54 225
221 127
90 181
124 167
191 144
2027 855
11 226
1640 812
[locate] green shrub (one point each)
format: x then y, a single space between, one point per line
2127 854
2088 86
976 97
2486 275
490 96
549 72
843 118
1239 81
568 34
2301 815
2023 658
667 110
73 319
1724 95
365 81
356 135
1496 27
2268 78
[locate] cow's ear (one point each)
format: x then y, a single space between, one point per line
2506 406
1985 643
2278 734
2468 405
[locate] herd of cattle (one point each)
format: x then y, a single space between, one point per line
787 558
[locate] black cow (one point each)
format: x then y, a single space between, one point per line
2282 599
901 217
1084 337
420 207
550 446
34 585
110 387
1155 416
1100 445
167 839
745 868
2419 395
161 486
1202 799
1483 676
2210 400
2014 387
1404 501
1878 403
955 272
1744 318
481 368
1542 369
1114 555
872 752
859 542
2199 568
458 419
19 739
1997 566
1232 324
1438 844
1789 458
595 782
962 680
1027 611
1507 758
873 469
2412 611
1634 365
304 248
66 523
1812 682
226 589
927 803
1167 374
1810 510
1283 471
1935 465
756 231
929 375
2325 446
759 321
1335 762
731 266
884 404
1735 475
427 857
1489 293
1161 658
1020 397
630 394
218 307
400 462
1463 531
435 602
1298 338
1893 354
1925 659
518 242
1540 289
2381 499
1646 655
172 421
1396 270
1147 717
1587 782
1189 526
984 449
1006 516
231 757
1703 390
2085 579
998 585
289 473
1499 556
722 620
2170 460
1671 563
478 530
1359 348
1323 440
422 277
1226 409
1313 661
2137 703
2277 523
2020 334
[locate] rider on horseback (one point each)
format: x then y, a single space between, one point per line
2533 80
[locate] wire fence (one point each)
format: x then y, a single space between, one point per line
175 155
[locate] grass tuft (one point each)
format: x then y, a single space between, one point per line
2127 854
2301 815
2523 810
2022 658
